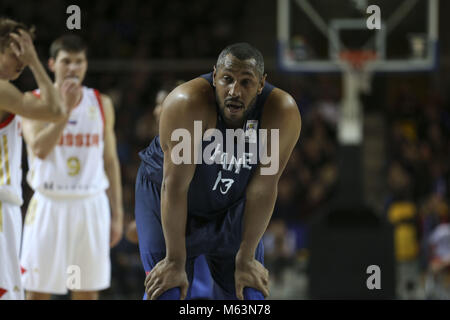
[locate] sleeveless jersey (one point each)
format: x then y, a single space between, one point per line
11 160
74 168
217 186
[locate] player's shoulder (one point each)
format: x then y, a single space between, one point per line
94 92
281 101
104 102
104 99
195 96
280 107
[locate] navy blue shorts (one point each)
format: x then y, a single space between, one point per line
216 240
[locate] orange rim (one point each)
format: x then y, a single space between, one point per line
358 58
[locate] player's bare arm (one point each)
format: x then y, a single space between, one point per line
112 169
41 136
181 108
281 112
27 105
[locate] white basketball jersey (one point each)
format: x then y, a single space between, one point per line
11 160
74 168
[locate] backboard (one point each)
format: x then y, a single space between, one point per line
313 34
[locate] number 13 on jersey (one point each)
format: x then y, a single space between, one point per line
227 183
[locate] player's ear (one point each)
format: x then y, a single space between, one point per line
51 64
214 76
261 83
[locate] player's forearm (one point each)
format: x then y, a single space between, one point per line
173 218
48 93
258 211
114 192
46 139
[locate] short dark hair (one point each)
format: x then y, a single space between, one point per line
242 51
69 43
8 26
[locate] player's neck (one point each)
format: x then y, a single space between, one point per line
234 125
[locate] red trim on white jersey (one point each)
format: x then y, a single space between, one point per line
36 93
99 99
22 270
7 121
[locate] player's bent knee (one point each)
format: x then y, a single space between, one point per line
30 295
85 295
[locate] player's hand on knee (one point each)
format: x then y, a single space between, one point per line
251 273
164 276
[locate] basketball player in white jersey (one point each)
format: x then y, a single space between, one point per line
16 53
74 169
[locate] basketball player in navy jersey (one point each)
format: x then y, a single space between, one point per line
220 209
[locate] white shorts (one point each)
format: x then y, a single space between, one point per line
66 244
10 234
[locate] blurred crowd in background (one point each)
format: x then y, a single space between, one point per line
416 171
418 176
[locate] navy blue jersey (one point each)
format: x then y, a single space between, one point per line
218 186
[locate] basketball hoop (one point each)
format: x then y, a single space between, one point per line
357 58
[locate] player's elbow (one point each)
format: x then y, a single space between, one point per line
59 112
56 113
110 162
39 151
41 155
49 112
